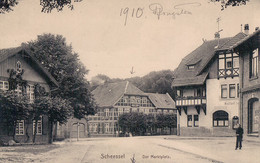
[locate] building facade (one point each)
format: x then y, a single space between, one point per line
113 100
248 50
207 89
19 60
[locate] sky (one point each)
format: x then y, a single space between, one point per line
113 36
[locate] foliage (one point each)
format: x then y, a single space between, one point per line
13 107
7 5
139 123
15 79
226 3
154 82
59 59
47 5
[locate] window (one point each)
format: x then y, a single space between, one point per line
220 119
237 90
39 126
204 92
179 93
189 120
224 91
190 67
19 127
196 120
254 64
19 66
197 92
228 65
4 85
232 90
30 92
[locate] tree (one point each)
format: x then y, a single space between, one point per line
59 59
47 5
154 82
98 80
226 3
39 106
171 121
7 5
14 103
58 110
13 107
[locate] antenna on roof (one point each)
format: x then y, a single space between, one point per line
217 35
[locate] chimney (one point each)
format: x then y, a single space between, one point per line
217 35
246 29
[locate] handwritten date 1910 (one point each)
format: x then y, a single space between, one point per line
134 13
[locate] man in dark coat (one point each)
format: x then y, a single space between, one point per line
239 133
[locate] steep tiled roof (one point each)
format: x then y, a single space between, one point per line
233 41
245 39
196 80
161 101
108 94
6 53
200 57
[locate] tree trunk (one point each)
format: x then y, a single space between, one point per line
14 131
26 132
35 130
50 132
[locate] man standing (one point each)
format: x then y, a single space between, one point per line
239 133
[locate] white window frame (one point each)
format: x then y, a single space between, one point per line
18 66
189 122
5 85
39 126
19 127
30 93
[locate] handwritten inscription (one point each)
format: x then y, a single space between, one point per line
157 10
135 13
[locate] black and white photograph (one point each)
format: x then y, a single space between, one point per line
129 81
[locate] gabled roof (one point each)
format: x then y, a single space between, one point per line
233 41
108 94
6 53
200 57
245 39
161 101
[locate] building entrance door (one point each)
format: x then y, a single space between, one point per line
75 132
253 116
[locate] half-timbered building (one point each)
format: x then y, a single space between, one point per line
207 86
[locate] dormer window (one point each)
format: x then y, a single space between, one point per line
19 66
191 67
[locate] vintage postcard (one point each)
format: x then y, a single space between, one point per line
98 81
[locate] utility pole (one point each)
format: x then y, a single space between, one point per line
77 131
